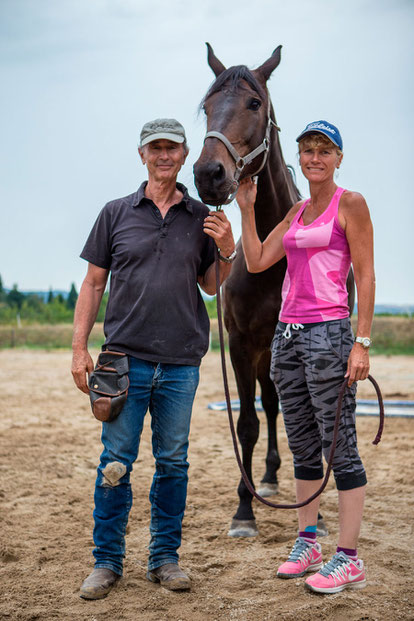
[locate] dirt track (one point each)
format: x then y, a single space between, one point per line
48 455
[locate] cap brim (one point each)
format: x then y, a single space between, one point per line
317 131
162 136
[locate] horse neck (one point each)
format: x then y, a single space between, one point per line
276 192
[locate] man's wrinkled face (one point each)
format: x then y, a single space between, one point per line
163 159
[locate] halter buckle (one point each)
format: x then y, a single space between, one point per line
240 164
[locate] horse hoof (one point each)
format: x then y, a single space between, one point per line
321 529
268 489
243 528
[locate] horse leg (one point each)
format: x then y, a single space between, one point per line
244 523
321 528
270 402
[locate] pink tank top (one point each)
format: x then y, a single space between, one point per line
318 260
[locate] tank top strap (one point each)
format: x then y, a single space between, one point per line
298 216
332 210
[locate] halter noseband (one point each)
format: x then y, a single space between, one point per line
242 162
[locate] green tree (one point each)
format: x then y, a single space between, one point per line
102 308
211 306
32 309
15 298
3 295
50 296
58 312
7 314
72 297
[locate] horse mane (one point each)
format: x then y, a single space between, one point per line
231 79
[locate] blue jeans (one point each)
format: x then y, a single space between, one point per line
168 391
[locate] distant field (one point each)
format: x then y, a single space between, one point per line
390 335
45 336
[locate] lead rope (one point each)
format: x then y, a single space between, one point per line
231 422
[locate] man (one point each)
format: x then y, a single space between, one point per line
158 244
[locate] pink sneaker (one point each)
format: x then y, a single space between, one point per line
339 574
303 558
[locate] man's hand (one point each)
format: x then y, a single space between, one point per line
246 194
82 365
358 364
217 226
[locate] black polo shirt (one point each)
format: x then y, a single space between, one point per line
155 310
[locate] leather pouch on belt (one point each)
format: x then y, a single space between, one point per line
108 385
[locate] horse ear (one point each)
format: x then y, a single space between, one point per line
270 64
215 64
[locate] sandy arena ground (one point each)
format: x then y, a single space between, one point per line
48 455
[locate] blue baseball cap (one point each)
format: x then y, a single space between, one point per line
323 127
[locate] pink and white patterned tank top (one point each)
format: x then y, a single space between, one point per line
318 260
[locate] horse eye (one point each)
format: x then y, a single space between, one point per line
254 104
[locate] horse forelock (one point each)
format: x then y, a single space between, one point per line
231 78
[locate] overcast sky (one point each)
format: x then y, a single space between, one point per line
80 77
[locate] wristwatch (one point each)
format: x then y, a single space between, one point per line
228 259
364 340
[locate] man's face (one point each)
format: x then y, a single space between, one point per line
163 159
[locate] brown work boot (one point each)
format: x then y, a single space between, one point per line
98 584
171 577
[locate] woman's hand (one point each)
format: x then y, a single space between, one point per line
246 195
358 364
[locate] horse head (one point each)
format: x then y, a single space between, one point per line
239 123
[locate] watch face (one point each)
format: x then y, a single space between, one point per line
364 340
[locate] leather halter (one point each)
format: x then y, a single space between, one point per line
242 162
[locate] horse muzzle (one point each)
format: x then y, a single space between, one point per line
213 182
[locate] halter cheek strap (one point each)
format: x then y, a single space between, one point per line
242 162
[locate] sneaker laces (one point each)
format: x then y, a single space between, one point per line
336 566
298 549
295 326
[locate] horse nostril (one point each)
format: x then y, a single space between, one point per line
210 177
218 172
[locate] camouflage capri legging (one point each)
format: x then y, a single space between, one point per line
308 367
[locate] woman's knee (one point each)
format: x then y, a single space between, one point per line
350 480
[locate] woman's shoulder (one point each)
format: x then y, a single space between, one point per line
352 206
352 200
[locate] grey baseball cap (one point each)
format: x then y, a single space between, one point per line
167 129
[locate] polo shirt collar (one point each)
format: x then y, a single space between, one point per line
140 196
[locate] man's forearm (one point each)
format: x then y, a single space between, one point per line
86 311
208 282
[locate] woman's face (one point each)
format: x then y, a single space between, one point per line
318 163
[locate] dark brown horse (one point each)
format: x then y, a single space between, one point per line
242 140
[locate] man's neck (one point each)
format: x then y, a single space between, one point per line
163 194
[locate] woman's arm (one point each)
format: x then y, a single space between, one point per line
356 221
260 255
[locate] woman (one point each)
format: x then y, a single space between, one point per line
314 349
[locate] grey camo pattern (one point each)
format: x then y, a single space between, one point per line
308 371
